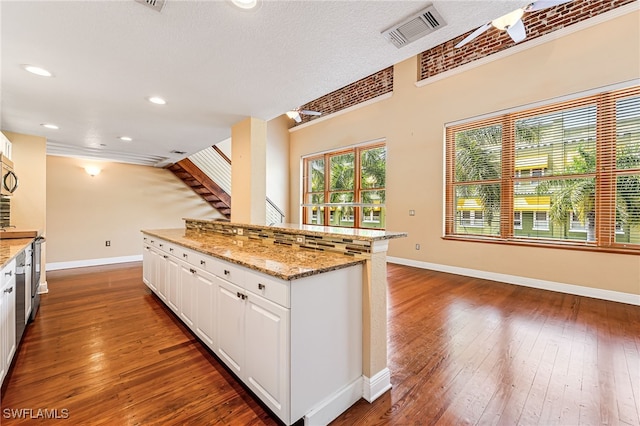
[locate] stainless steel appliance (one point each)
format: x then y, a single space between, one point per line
8 179
36 267
21 275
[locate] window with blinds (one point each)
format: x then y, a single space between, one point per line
558 174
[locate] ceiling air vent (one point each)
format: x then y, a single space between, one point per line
153 4
414 27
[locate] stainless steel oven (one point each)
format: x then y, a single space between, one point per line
36 268
8 178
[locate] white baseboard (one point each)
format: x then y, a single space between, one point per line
374 387
335 405
596 293
54 266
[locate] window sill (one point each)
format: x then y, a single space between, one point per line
619 248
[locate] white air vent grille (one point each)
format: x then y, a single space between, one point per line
415 27
156 5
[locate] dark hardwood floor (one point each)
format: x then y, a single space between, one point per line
103 350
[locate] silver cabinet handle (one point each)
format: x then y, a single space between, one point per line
202 262
171 249
165 256
8 290
10 273
227 272
261 286
193 271
185 255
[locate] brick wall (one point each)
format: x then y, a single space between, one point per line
445 57
362 90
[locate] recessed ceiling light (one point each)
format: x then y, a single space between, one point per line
245 4
37 70
156 100
50 126
125 138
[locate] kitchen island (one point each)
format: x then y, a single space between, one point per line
288 309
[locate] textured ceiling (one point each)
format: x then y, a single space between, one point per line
213 63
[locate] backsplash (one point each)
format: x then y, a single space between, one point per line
278 237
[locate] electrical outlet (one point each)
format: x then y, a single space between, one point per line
412 212
107 243
417 246
240 231
300 239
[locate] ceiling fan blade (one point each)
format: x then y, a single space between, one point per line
517 31
309 112
473 35
544 4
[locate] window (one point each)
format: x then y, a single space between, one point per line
565 172
473 218
346 188
541 221
517 220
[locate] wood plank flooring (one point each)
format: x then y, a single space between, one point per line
104 351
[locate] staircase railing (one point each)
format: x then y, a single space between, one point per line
215 164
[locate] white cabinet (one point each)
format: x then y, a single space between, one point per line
229 314
296 344
205 296
253 340
149 260
7 317
173 284
266 352
187 294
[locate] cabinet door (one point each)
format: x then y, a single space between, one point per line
149 257
187 294
229 315
161 275
173 284
267 353
9 309
205 293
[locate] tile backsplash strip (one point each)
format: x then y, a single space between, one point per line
271 236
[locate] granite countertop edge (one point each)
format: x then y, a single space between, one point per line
185 241
13 246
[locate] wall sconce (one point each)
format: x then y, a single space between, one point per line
92 170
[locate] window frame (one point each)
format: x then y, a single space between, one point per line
605 174
326 207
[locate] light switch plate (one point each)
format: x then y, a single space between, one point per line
300 239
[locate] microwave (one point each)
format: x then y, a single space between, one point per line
8 178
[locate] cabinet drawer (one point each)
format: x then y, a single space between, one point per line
271 289
225 270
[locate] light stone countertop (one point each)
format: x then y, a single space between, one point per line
11 247
287 263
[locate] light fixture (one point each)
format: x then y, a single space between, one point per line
37 70
92 170
507 21
50 126
125 138
156 100
245 4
